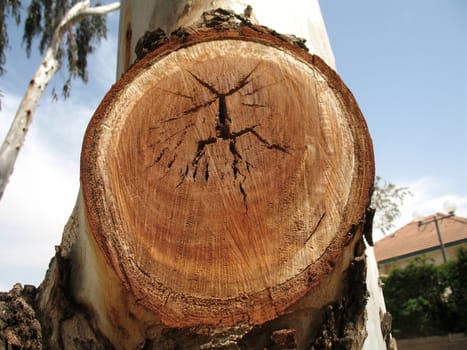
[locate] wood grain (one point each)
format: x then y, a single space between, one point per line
223 178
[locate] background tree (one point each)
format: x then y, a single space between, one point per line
454 274
426 300
7 8
386 200
81 25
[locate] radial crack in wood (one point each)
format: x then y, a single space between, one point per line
223 178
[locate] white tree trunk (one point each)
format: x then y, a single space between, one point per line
378 338
49 65
301 18
86 281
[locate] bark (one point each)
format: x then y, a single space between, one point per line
49 65
19 327
301 18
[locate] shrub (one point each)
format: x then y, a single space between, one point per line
427 300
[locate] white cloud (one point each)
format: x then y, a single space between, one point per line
105 58
42 190
9 104
428 196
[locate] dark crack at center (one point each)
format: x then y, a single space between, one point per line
223 131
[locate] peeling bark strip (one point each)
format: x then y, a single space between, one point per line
225 178
343 321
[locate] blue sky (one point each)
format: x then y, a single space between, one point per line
405 62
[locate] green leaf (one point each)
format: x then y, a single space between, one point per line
386 200
7 8
42 19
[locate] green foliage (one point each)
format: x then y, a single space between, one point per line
386 199
427 300
42 18
90 30
455 275
7 7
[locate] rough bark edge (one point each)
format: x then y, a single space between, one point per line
19 326
343 325
386 329
67 324
219 20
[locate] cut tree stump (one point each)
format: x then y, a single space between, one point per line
225 175
225 185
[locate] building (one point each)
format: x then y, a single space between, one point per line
422 240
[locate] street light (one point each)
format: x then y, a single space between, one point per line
450 208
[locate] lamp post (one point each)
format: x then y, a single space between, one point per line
448 207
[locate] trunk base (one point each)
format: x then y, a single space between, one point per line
68 325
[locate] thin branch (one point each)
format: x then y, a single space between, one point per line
49 65
79 11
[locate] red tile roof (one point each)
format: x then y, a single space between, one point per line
414 237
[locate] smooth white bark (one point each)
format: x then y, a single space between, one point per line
375 307
301 18
49 65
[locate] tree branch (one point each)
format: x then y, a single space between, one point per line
79 11
49 65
